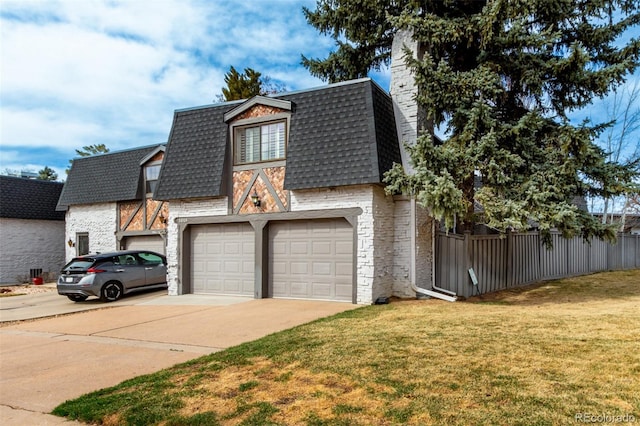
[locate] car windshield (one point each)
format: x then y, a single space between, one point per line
80 263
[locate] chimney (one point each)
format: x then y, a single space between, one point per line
409 117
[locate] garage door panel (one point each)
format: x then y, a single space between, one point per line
145 242
310 259
319 248
322 268
344 247
344 270
227 250
299 247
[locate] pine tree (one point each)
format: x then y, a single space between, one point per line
501 77
241 85
87 151
47 174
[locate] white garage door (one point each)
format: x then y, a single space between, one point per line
222 259
147 242
311 259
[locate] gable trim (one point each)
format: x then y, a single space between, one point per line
152 154
257 100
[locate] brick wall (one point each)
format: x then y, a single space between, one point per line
30 244
98 220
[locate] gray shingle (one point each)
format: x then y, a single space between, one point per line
342 134
195 155
29 199
104 178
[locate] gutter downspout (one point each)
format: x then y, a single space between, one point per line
449 296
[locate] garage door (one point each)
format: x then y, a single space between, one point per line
147 242
222 259
311 259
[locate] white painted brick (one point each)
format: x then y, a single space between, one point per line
177 209
30 244
98 220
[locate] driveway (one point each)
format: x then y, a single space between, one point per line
49 360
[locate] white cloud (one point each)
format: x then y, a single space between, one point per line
74 73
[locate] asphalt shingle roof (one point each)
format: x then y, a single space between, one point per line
195 155
22 198
341 134
105 178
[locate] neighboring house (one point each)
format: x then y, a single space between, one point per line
282 196
31 230
631 222
108 205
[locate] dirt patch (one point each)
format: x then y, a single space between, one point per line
19 290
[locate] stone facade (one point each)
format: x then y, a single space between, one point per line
97 220
41 247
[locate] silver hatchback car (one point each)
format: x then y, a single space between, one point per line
111 275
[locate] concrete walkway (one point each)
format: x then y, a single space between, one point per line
44 362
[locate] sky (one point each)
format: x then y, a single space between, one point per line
84 72
87 72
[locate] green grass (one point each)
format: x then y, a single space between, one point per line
531 356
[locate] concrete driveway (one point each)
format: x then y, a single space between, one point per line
44 362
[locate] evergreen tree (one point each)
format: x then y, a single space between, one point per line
247 84
87 151
501 77
47 174
241 85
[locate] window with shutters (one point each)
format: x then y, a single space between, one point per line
258 143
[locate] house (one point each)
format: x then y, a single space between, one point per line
282 196
274 196
31 230
107 203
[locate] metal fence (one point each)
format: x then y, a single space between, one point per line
501 262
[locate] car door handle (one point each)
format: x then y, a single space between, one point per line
148 269
119 270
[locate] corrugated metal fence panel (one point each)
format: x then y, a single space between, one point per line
450 261
553 262
577 257
489 261
614 255
518 259
598 255
630 251
525 259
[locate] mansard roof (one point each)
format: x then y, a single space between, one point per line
111 177
340 134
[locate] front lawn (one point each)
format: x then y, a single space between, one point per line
555 353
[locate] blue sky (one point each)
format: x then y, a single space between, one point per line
76 73
84 72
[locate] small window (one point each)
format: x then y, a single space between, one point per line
260 143
82 245
151 174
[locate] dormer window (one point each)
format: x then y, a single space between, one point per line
258 143
151 174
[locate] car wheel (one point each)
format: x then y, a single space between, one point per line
77 297
111 291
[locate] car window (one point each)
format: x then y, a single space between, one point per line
150 258
79 263
127 259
